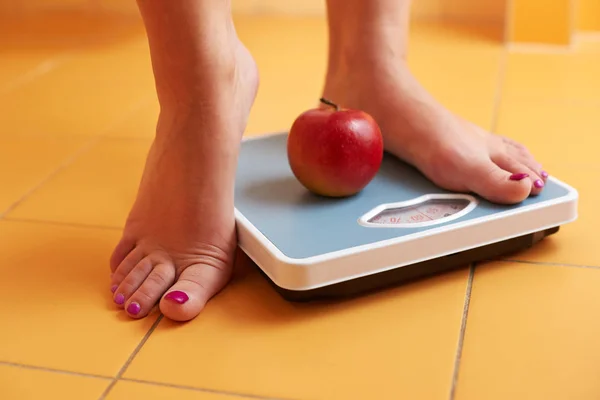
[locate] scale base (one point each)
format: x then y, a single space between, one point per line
312 248
415 271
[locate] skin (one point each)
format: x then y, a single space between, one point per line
179 241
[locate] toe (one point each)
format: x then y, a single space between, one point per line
127 265
123 248
524 156
196 285
132 281
498 185
141 302
515 166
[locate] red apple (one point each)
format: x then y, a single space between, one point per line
334 152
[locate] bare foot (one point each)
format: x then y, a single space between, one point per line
453 153
179 241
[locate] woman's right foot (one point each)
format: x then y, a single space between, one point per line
180 239
368 71
453 153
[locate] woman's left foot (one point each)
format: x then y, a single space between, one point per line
453 153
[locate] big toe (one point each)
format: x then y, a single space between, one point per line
196 285
499 185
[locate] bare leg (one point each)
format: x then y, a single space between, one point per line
367 70
179 240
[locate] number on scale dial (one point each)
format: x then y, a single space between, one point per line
429 210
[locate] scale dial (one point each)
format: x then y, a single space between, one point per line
428 210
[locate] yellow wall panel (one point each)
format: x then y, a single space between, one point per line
305 7
588 15
454 9
461 9
541 21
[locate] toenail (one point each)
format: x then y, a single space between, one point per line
518 177
538 183
114 288
177 296
544 174
119 299
134 308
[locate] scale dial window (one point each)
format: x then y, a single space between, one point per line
426 210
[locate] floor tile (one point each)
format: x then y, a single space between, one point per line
291 84
141 123
97 189
472 34
555 131
291 64
125 390
399 343
552 76
25 163
18 67
588 43
85 95
575 242
532 333
442 67
29 384
57 28
55 301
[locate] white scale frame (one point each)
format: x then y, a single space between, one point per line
360 261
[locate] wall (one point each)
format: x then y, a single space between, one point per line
548 22
528 21
588 15
428 9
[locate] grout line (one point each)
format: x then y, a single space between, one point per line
68 161
461 337
195 389
119 228
114 380
502 66
78 153
131 357
40 69
552 264
54 370
59 223
137 106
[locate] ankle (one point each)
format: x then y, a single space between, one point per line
193 46
184 80
362 32
216 100
368 51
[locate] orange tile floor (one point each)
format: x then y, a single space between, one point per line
77 112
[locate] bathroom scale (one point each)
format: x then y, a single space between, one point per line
401 227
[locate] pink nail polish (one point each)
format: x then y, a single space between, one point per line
114 288
538 183
177 296
134 308
518 177
119 299
544 174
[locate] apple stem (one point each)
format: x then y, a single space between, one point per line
330 103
